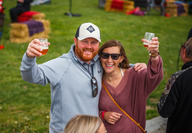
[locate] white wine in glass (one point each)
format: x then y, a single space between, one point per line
148 36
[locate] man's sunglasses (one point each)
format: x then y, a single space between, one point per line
94 86
113 56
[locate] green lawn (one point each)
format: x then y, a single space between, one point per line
24 107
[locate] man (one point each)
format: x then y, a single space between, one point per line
75 77
22 6
176 101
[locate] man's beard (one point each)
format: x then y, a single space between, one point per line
84 57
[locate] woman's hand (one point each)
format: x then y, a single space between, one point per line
153 47
112 117
140 66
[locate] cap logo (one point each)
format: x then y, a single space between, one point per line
90 29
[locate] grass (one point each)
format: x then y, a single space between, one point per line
24 107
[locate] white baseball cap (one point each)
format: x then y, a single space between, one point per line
87 30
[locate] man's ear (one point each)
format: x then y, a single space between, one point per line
186 59
185 54
75 40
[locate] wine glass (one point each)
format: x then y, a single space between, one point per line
44 45
148 36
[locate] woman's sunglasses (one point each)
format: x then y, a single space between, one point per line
113 56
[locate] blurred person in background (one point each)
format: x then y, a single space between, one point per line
176 100
21 7
85 124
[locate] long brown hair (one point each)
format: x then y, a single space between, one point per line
114 43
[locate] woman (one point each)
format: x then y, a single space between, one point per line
128 87
85 124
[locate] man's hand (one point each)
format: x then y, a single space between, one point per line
33 49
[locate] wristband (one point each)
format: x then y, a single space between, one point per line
102 115
155 54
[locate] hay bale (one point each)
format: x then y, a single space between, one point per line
20 34
28 15
46 24
127 6
19 30
171 9
39 16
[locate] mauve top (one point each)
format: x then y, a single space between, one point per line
131 94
